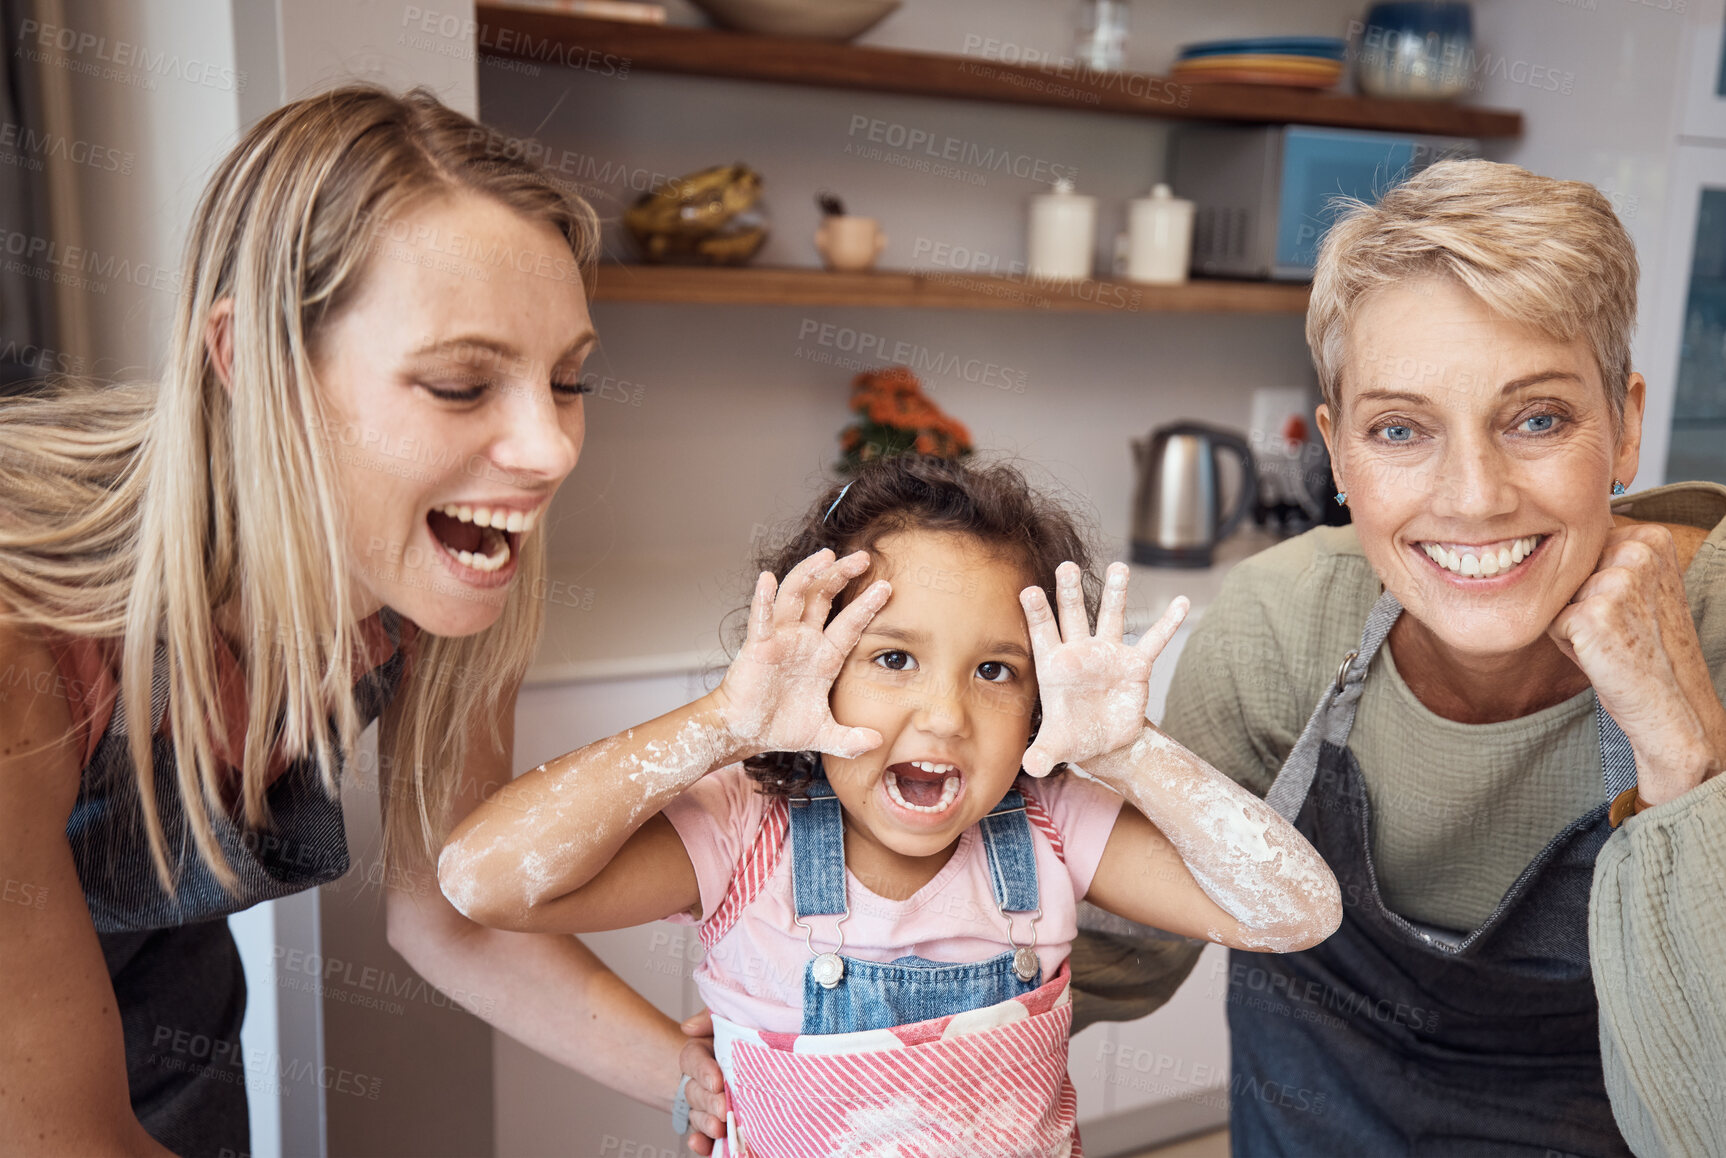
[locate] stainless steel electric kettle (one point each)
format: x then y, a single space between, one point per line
1177 508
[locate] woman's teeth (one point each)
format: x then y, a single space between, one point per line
498 517
1482 562
492 561
949 787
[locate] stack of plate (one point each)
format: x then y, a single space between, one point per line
1302 61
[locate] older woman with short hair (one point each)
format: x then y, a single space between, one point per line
1513 765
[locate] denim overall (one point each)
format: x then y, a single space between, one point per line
844 995
175 969
1394 1038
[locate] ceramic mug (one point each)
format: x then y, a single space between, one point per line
850 243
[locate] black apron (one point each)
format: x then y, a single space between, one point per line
173 963
1393 1038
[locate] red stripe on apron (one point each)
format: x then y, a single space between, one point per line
1001 1091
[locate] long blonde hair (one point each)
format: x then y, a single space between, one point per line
136 511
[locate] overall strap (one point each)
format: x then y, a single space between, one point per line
818 852
158 695
1617 761
1333 719
1012 856
391 622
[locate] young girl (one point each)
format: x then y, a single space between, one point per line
885 900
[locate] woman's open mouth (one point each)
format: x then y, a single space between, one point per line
1482 560
483 541
925 787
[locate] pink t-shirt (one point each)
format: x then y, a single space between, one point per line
753 974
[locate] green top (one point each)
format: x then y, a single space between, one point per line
1459 809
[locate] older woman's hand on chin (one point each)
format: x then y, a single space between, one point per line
1629 628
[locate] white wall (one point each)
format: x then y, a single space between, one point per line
168 122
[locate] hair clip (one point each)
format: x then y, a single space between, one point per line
842 491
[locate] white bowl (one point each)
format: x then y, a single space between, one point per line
810 19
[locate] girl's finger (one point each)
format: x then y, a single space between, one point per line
1157 636
788 608
847 627
835 739
761 608
830 584
1112 615
1070 598
1037 762
1045 636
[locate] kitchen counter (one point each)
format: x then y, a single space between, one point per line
628 618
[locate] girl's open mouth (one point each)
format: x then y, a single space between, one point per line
923 786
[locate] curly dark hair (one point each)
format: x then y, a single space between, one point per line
991 503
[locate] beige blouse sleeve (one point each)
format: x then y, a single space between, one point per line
1657 933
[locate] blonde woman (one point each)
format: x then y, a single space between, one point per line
327 512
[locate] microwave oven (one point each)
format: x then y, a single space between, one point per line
1263 195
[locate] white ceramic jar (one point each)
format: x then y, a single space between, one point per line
1063 236
1158 245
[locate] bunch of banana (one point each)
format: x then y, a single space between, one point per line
706 218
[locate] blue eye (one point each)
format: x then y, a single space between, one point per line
1540 423
896 661
1396 432
995 672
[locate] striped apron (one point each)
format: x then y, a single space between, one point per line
911 1058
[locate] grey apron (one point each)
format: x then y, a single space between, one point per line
1394 1038
174 966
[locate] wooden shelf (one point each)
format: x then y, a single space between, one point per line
757 286
552 39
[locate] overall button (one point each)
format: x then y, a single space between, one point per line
827 969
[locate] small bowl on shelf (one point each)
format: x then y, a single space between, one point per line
807 19
1417 50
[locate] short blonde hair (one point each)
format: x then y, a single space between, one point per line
1537 250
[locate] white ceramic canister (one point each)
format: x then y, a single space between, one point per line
1158 244
1063 233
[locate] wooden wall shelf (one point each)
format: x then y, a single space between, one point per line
551 39
759 286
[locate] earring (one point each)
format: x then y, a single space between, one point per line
1618 488
1342 498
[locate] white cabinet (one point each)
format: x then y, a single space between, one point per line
541 1107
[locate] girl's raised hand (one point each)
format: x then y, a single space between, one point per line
774 695
1093 687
